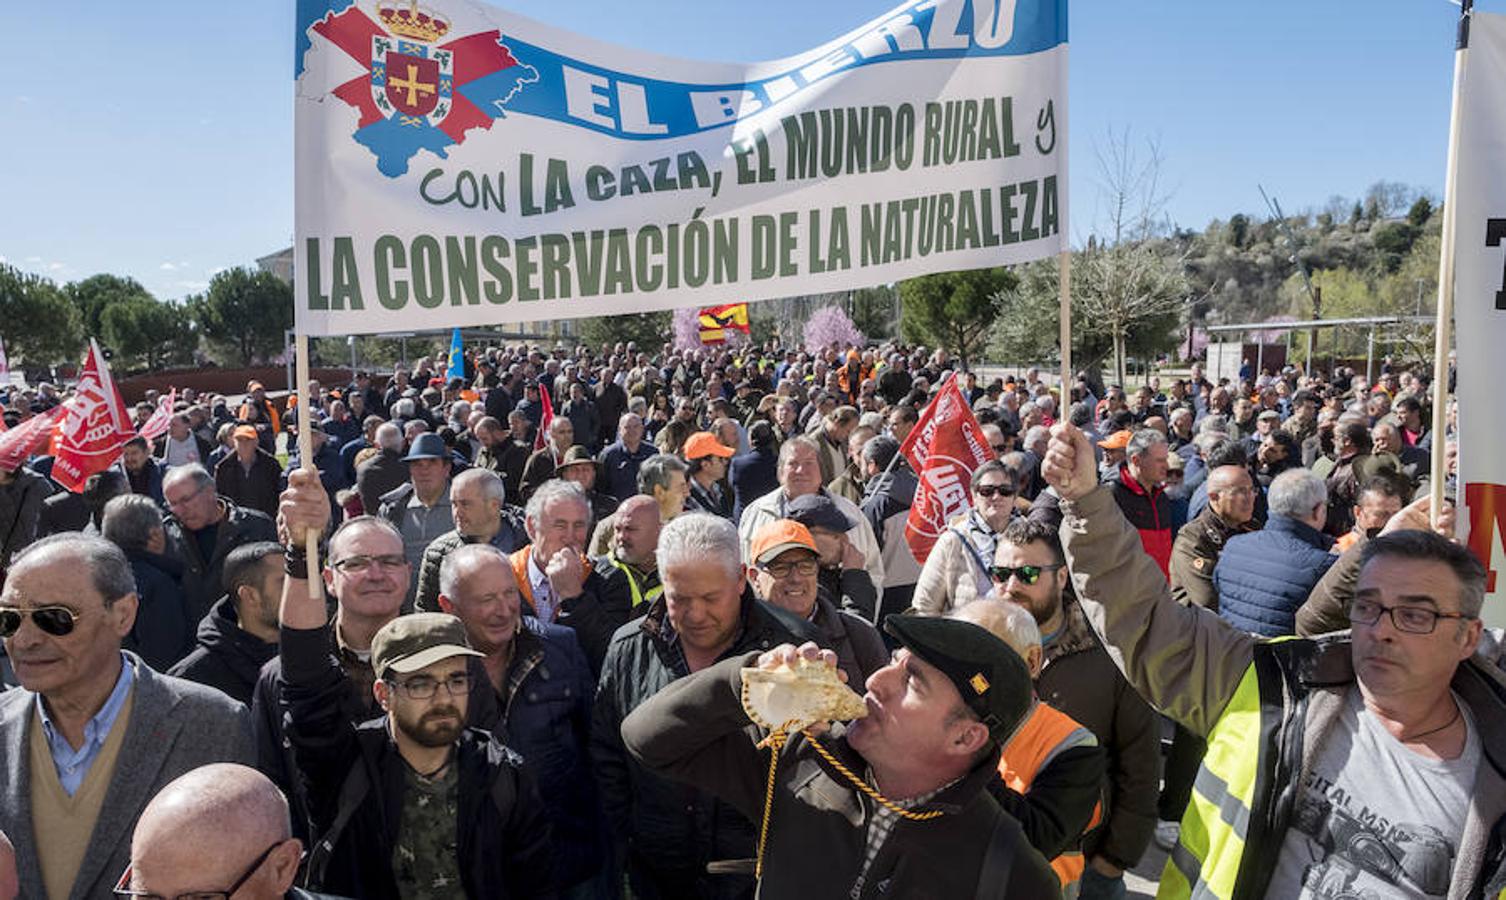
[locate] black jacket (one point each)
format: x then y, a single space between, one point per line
670 831
695 731
163 631
354 778
203 578
752 475
545 714
20 507
274 754
255 488
224 656
702 500
597 614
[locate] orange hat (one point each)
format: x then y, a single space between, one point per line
245 431
1116 441
776 537
704 443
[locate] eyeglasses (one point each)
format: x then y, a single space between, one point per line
355 565
123 889
993 490
1000 448
54 620
1026 574
783 569
1411 619
424 687
184 500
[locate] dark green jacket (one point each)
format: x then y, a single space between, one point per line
696 731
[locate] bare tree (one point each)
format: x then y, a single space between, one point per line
1131 277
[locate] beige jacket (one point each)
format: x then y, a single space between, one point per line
952 576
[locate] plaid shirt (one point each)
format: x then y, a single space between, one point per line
881 824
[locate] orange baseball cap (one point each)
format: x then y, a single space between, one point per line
704 443
1116 441
776 537
245 431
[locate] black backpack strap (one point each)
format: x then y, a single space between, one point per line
352 793
993 876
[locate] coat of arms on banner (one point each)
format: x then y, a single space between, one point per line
424 88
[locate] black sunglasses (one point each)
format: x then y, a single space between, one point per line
994 490
1026 574
54 620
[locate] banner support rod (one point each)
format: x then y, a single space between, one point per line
1445 314
1064 267
306 451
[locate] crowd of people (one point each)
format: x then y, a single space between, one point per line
1212 616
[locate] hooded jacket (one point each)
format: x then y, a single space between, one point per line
225 656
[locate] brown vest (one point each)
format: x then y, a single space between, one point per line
64 824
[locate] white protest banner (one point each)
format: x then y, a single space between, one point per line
1480 300
460 165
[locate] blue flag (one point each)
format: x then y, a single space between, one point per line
457 357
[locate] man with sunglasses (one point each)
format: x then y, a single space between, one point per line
1077 677
94 731
412 803
1368 763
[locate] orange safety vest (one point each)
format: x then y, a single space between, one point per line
1046 734
519 560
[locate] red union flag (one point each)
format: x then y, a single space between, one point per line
95 427
161 419
18 443
944 448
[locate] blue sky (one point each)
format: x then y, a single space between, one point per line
154 139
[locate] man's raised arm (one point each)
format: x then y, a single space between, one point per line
1185 661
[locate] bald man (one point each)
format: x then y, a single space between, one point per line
219 828
630 579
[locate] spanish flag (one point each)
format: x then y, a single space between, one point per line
716 321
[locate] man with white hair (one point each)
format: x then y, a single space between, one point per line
1051 772
799 475
1264 577
669 832
383 473
553 568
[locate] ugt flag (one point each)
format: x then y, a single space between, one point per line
17 444
716 321
1480 301
95 427
457 164
944 448
161 419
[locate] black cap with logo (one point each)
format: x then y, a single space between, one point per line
992 679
